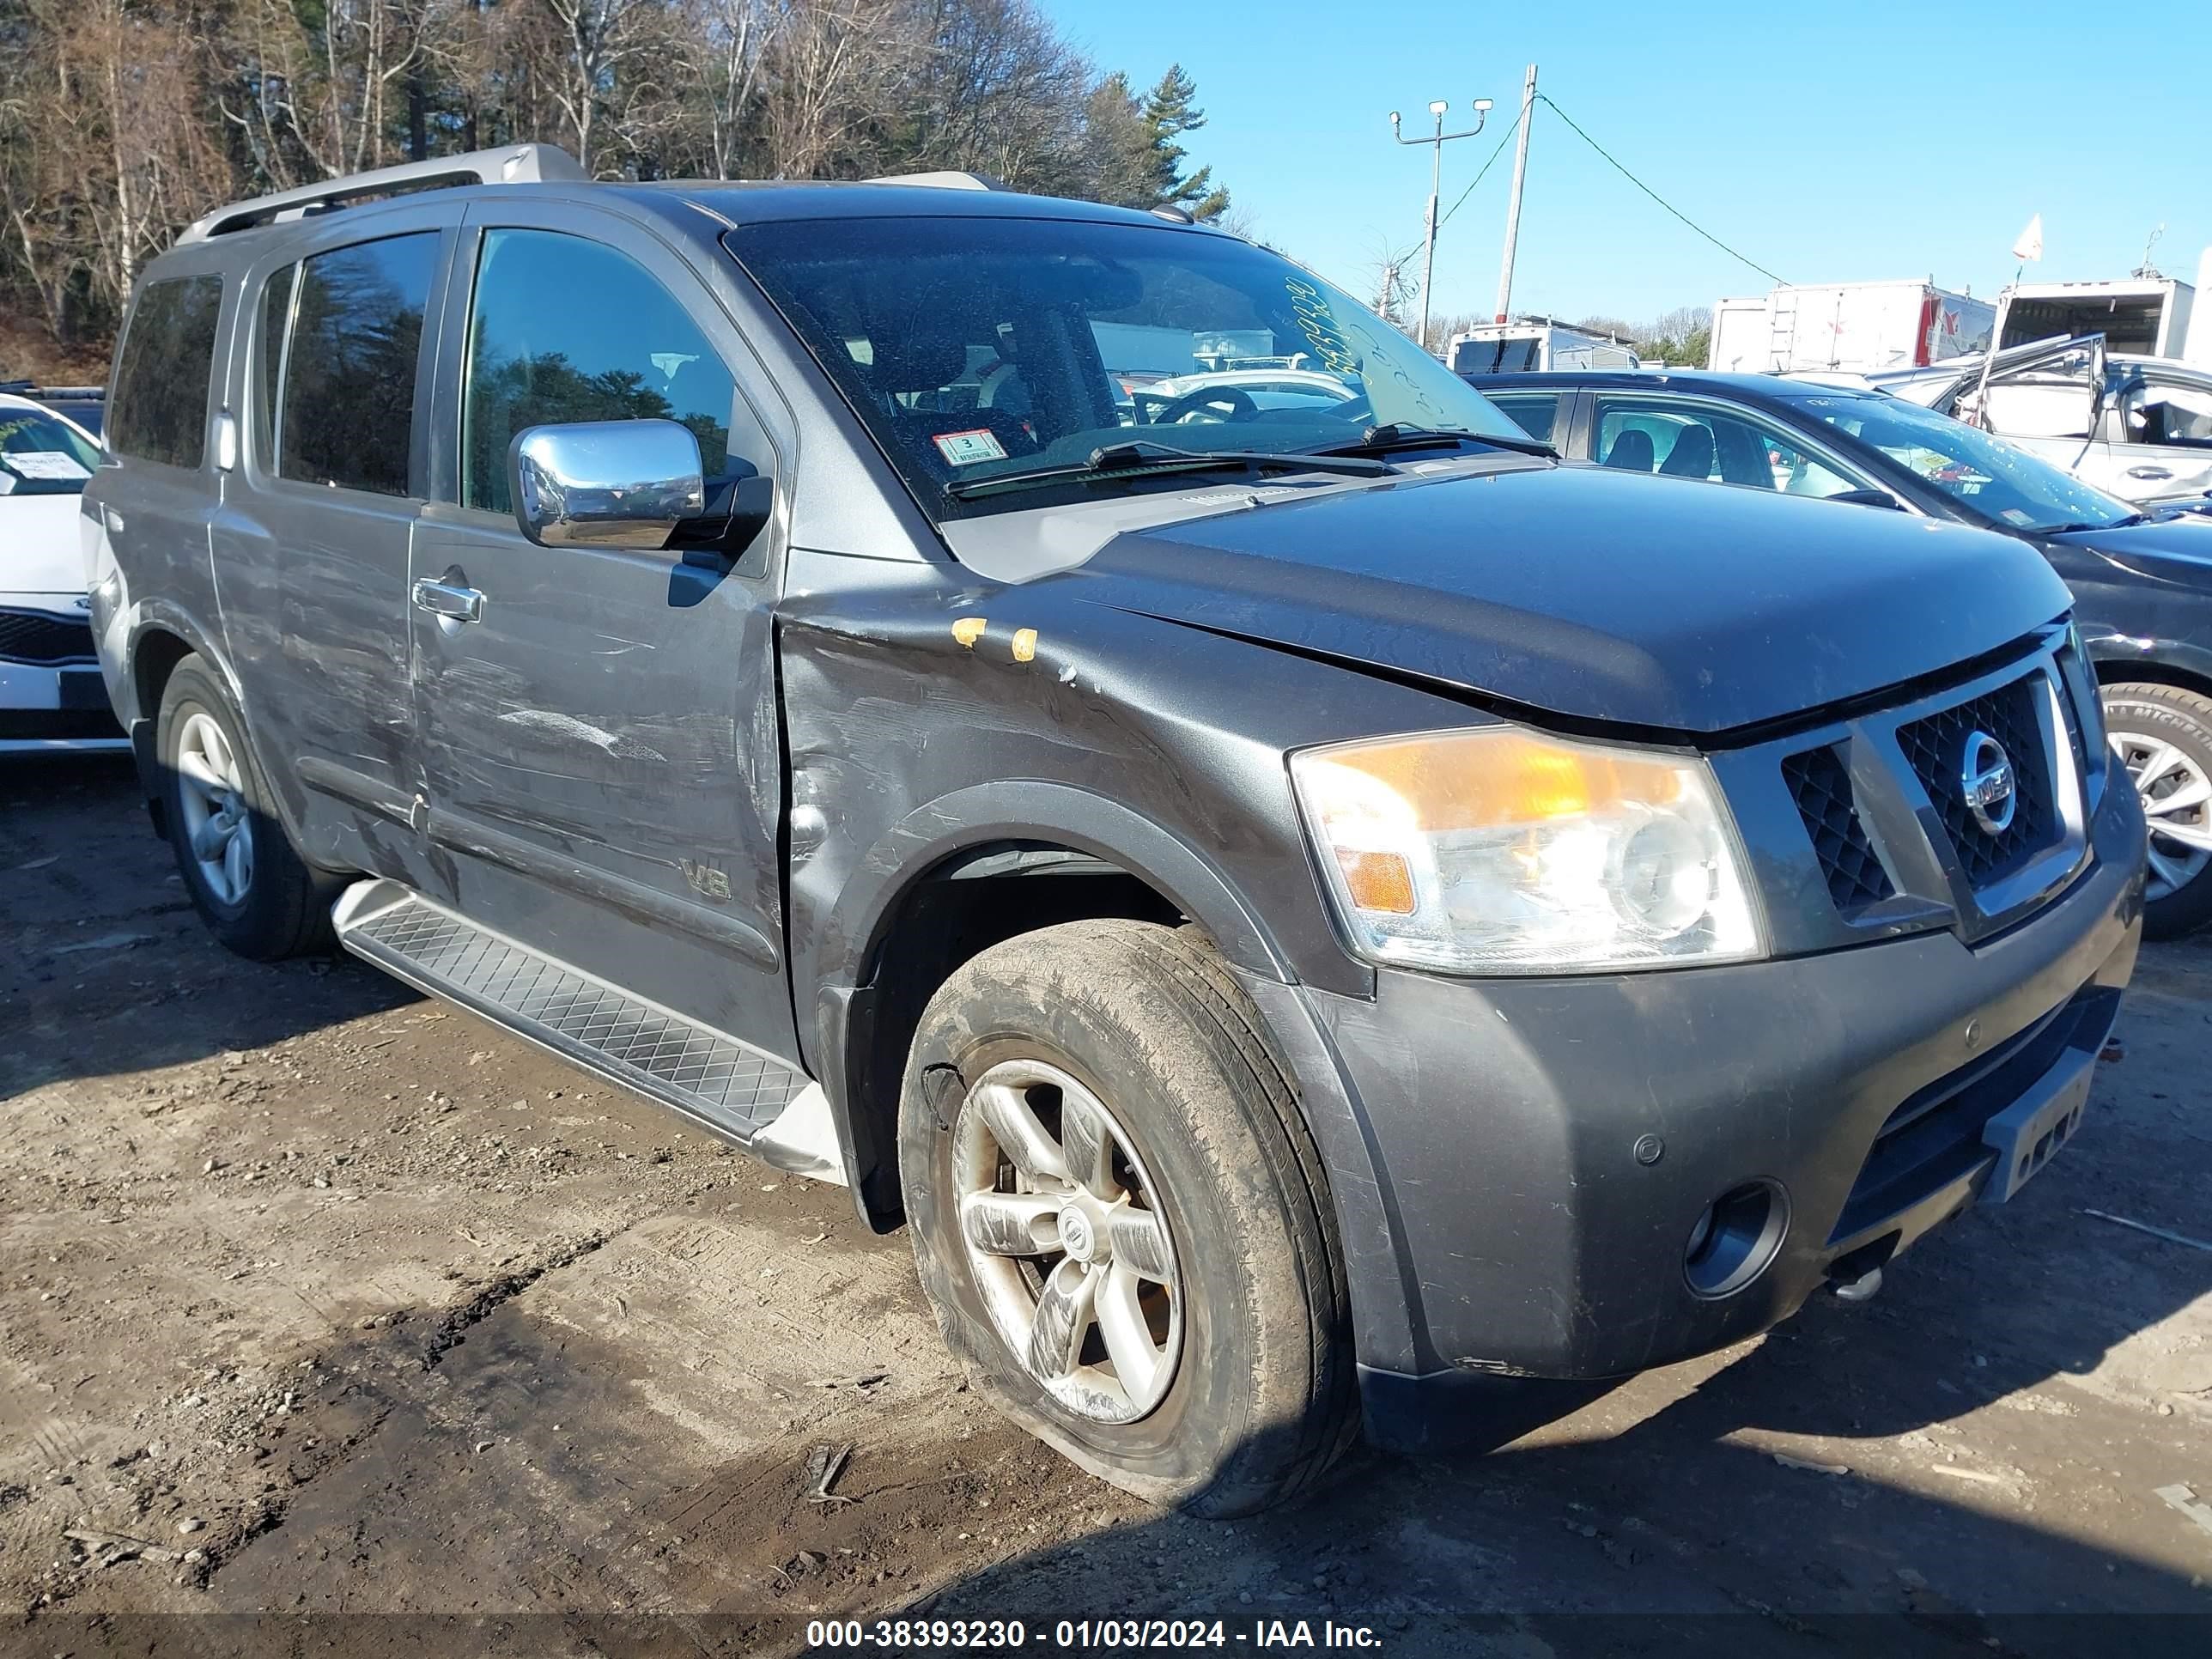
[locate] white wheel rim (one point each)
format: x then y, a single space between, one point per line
1063 1232
2177 803
217 826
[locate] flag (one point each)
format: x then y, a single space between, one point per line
2030 245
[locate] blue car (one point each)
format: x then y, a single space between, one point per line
2143 582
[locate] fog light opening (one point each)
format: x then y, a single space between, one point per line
1735 1239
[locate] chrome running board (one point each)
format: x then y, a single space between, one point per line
763 1103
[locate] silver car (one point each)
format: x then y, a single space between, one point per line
2137 428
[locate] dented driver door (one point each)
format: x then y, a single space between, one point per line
601 779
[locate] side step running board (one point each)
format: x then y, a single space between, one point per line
760 1101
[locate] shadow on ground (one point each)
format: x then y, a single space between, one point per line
105 967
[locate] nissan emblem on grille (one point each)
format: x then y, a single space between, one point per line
1985 779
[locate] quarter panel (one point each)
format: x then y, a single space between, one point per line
1062 720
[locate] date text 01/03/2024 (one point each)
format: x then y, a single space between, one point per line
996 1635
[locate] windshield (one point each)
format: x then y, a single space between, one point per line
1992 480
1502 357
41 455
978 347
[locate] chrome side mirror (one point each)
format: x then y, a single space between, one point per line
606 483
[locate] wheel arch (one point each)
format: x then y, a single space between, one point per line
160 638
2157 662
959 875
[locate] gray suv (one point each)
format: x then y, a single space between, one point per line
1301 905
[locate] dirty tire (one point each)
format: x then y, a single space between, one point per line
2183 719
285 911
1151 1020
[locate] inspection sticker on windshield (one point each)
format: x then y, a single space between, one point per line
966 448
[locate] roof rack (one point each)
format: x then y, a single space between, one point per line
512 164
942 180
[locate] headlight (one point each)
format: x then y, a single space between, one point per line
1497 851
2080 675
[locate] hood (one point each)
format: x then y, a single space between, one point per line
41 549
2176 551
1599 596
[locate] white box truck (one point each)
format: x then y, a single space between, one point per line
1534 343
2138 316
1851 326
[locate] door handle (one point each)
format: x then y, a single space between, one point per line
449 600
2149 472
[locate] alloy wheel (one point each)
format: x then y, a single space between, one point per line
1065 1238
2177 802
217 825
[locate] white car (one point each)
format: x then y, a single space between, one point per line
1237 394
51 696
2137 428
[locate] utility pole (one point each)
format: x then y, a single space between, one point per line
1513 208
1436 144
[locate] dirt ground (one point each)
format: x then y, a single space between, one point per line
340 1312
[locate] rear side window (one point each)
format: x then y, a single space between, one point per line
625 349
2171 412
1533 413
1695 441
269 354
159 409
349 396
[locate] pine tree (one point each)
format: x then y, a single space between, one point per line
1169 113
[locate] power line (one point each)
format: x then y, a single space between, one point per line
1655 195
1477 180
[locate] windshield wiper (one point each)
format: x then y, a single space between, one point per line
1115 462
2071 529
1389 439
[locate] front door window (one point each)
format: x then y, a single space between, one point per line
1700 441
561 330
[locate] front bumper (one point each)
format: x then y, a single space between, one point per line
1543 1149
48 706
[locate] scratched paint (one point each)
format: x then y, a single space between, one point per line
567 725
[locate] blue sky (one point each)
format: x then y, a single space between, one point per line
1829 143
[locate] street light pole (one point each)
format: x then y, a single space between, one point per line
1437 142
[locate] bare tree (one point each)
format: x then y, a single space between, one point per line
1680 323
993 90
110 147
725 49
838 67
1391 279
314 93
122 120
600 39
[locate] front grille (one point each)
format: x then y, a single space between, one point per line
1935 1136
1821 785
1935 748
34 636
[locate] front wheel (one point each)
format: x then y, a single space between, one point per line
1121 1219
2163 736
